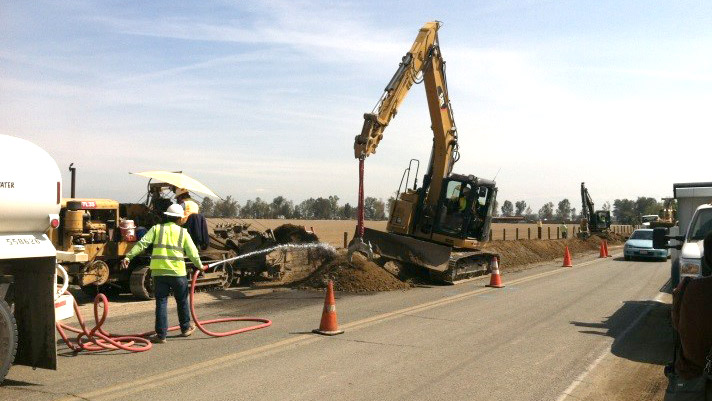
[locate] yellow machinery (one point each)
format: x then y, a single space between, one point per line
91 238
668 215
441 224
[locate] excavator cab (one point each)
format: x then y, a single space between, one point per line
602 220
464 209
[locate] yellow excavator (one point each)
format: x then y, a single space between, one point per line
442 224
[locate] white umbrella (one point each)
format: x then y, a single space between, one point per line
179 180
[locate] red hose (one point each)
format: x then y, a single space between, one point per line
97 339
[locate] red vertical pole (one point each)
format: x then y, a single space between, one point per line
360 197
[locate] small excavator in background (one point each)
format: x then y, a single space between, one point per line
440 225
592 221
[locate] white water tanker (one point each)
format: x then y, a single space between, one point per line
30 189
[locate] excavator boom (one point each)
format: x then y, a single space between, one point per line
424 60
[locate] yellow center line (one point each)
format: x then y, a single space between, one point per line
201 368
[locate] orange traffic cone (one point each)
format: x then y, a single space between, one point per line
605 245
567 258
495 279
602 251
329 325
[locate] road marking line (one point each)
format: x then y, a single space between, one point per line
606 351
135 386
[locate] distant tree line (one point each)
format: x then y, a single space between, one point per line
282 208
563 211
625 211
628 211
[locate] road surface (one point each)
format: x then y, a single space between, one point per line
532 340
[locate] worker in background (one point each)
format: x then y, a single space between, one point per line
692 318
564 230
539 227
171 243
192 220
189 205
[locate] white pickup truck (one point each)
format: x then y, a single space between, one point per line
694 211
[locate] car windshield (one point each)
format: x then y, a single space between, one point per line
640 234
702 225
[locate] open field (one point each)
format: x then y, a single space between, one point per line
332 231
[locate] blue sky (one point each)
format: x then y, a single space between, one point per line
264 98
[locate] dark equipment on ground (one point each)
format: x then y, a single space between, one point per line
592 221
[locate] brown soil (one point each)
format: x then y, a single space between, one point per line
515 254
360 275
290 233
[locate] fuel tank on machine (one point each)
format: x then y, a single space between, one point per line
30 185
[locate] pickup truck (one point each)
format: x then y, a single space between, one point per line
686 239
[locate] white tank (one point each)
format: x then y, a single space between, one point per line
30 187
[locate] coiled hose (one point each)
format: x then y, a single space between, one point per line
97 339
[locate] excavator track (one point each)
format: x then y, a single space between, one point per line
464 265
444 263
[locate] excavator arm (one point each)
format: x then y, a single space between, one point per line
412 64
423 60
587 203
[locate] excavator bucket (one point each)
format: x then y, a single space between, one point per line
409 250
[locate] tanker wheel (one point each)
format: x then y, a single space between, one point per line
8 338
141 283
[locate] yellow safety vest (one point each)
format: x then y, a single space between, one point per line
171 244
462 204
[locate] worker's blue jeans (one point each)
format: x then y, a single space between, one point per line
162 288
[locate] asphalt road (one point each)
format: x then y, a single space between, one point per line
528 341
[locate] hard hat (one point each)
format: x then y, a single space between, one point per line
174 210
181 191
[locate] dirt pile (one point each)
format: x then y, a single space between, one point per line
361 275
516 254
612 238
290 233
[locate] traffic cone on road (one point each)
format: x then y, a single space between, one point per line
567 258
602 251
605 245
329 325
495 279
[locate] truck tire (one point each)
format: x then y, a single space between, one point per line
705 269
675 274
141 284
8 338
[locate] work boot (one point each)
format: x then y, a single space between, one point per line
188 332
158 340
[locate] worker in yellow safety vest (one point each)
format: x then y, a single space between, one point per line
462 201
171 244
189 205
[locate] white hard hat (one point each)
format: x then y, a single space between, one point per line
181 191
174 210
